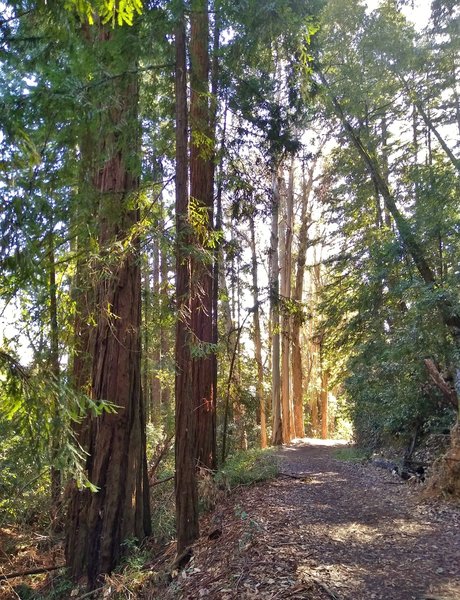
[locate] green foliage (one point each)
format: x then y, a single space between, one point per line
250 530
375 306
162 495
201 349
29 424
59 589
351 454
118 12
199 222
247 467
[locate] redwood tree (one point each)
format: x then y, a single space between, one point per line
201 192
187 527
100 521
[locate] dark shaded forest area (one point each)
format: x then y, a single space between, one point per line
226 226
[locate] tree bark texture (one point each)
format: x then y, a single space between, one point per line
165 398
155 403
285 276
99 522
297 372
258 340
187 527
201 180
277 429
324 402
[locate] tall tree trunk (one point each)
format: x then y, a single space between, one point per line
201 178
146 359
258 340
277 428
297 372
239 410
187 527
218 216
155 398
100 521
165 395
324 395
84 218
285 287
84 221
317 336
231 335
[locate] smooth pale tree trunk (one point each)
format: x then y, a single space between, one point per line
231 336
277 427
187 526
285 288
238 408
314 383
201 178
297 371
258 340
324 402
99 522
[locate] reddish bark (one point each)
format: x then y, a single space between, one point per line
99 523
201 171
187 526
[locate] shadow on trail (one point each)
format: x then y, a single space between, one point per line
364 537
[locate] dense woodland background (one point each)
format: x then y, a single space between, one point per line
224 225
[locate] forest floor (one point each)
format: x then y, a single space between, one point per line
325 529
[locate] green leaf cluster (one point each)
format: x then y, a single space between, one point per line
116 12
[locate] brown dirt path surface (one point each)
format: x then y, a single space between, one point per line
336 530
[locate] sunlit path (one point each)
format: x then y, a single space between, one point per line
329 529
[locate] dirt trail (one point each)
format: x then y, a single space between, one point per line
337 531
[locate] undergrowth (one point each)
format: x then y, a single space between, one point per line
247 467
130 579
351 454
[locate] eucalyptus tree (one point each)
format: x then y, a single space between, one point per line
298 318
264 93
